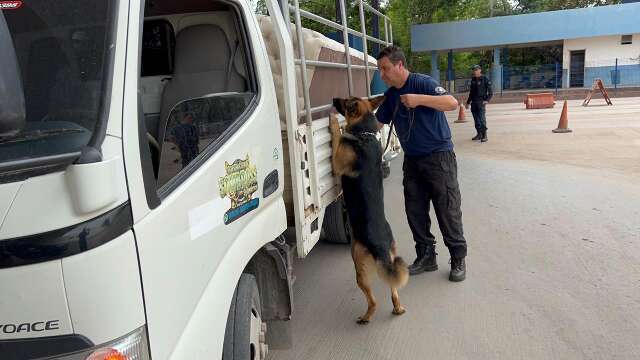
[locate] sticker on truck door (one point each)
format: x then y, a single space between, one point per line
10 5
240 183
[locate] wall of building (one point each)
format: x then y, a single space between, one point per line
600 59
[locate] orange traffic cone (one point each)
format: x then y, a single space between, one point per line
461 116
563 124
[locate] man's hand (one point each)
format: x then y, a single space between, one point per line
410 100
485 102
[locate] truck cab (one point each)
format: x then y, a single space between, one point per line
144 168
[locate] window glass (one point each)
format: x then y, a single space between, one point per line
195 124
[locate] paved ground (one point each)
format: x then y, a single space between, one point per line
606 138
553 225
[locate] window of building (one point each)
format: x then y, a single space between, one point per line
626 40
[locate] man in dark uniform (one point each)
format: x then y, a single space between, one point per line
479 96
416 104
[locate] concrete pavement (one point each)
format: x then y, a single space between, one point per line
553 266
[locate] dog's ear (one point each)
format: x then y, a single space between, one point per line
339 105
374 102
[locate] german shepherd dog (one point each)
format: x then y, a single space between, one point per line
357 159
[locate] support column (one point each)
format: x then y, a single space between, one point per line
496 77
339 21
450 66
375 28
435 66
450 76
506 69
566 63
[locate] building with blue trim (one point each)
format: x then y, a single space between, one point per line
597 42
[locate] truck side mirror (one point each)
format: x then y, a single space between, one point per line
12 108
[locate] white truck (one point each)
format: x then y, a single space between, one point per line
150 174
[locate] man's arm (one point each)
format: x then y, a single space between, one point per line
489 90
383 113
441 103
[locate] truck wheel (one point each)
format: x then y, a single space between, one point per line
386 169
244 337
335 226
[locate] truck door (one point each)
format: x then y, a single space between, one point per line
204 161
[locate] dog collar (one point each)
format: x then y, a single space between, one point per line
350 136
368 133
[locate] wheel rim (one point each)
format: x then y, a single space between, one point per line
257 337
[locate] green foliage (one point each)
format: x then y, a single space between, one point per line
327 9
405 13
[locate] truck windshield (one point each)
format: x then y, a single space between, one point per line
64 51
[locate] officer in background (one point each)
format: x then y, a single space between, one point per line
479 96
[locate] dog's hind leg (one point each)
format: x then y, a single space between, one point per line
364 283
397 308
360 259
395 298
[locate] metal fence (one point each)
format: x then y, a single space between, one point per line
615 72
547 76
343 27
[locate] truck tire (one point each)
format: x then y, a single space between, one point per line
336 227
244 337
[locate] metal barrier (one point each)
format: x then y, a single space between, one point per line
615 72
344 28
303 63
547 76
309 143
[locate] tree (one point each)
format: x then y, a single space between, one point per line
405 13
532 6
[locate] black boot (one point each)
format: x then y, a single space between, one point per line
477 137
484 136
458 269
426 261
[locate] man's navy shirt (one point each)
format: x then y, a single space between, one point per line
428 132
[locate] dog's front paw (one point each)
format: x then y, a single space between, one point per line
334 125
362 321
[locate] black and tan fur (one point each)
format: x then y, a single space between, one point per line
357 157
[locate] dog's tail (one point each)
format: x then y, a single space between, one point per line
394 272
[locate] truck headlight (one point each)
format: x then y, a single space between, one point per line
133 346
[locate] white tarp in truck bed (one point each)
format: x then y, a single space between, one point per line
324 83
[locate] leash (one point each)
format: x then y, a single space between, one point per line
393 117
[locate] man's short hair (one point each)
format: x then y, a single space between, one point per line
394 54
